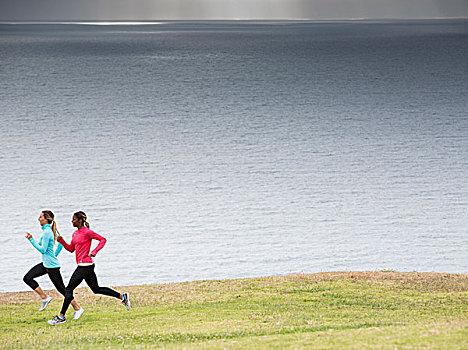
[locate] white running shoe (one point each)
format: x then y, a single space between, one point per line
126 300
57 320
77 314
45 302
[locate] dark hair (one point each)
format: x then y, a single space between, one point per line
81 216
49 216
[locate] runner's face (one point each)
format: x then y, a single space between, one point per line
41 219
75 222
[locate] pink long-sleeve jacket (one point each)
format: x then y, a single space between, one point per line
81 244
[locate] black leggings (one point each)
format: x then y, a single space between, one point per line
40 270
85 273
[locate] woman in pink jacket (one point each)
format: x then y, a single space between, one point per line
81 244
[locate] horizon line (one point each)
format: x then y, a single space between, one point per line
164 21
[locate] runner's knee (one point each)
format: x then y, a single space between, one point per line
69 293
96 289
30 281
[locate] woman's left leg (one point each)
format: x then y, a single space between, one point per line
75 280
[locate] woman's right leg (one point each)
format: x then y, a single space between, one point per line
36 271
56 278
75 280
91 280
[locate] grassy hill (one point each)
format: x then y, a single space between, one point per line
339 310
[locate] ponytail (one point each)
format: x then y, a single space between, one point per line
49 216
55 230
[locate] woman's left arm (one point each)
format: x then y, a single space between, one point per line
59 249
102 242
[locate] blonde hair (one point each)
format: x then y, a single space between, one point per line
80 215
49 216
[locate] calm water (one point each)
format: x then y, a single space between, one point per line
224 150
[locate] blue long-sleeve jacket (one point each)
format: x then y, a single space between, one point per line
46 247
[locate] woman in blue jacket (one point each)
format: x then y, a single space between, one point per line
50 264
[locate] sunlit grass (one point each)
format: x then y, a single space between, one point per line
352 310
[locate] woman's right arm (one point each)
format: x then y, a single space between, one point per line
70 247
42 245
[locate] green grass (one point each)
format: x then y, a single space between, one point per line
348 310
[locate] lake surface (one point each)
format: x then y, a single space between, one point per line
206 150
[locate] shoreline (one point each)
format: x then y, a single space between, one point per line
430 278
317 274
